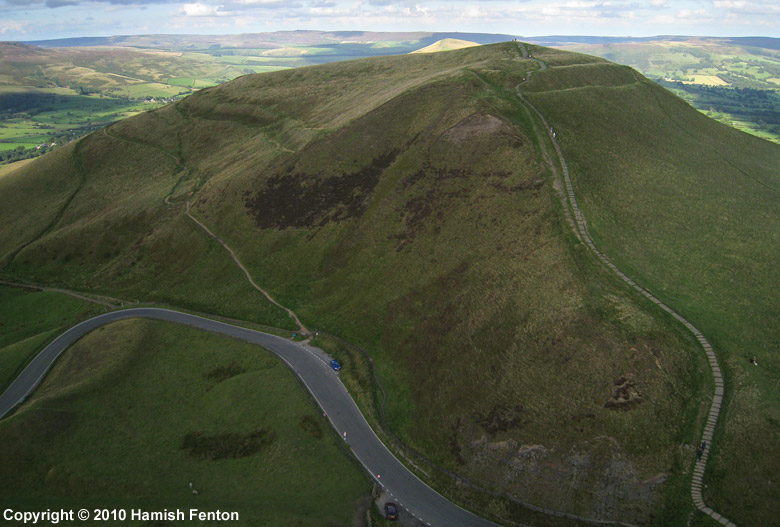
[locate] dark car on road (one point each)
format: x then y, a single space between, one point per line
391 513
336 365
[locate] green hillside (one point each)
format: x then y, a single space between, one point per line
406 204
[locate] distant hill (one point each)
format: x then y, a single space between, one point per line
408 204
446 44
110 70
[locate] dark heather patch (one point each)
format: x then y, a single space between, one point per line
221 373
44 423
501 418
430 203
307 201
432 175
226 446
525 185
312 426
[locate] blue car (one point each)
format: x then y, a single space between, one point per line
336 365
391 513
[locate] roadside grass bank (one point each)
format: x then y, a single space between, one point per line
31 319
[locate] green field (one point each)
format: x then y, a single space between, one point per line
181 81
37 118
179 406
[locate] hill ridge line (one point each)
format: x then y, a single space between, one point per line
584 234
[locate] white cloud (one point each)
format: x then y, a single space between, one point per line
266 4
756 7
199 9
15 26
31 18
729 4
687 14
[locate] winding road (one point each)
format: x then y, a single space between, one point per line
430 507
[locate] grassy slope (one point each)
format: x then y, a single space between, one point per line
691 210
107 426
402 203
106 228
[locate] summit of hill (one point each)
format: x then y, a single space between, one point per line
446 44
412 205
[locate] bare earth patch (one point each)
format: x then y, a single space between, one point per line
625 396
476 126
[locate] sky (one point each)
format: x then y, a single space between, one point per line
48 19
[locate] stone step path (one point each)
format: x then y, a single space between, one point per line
584 235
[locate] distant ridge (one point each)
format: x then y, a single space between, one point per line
418 38
270 40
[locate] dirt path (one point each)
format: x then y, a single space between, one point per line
112 303
292 315
230 251
584 235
